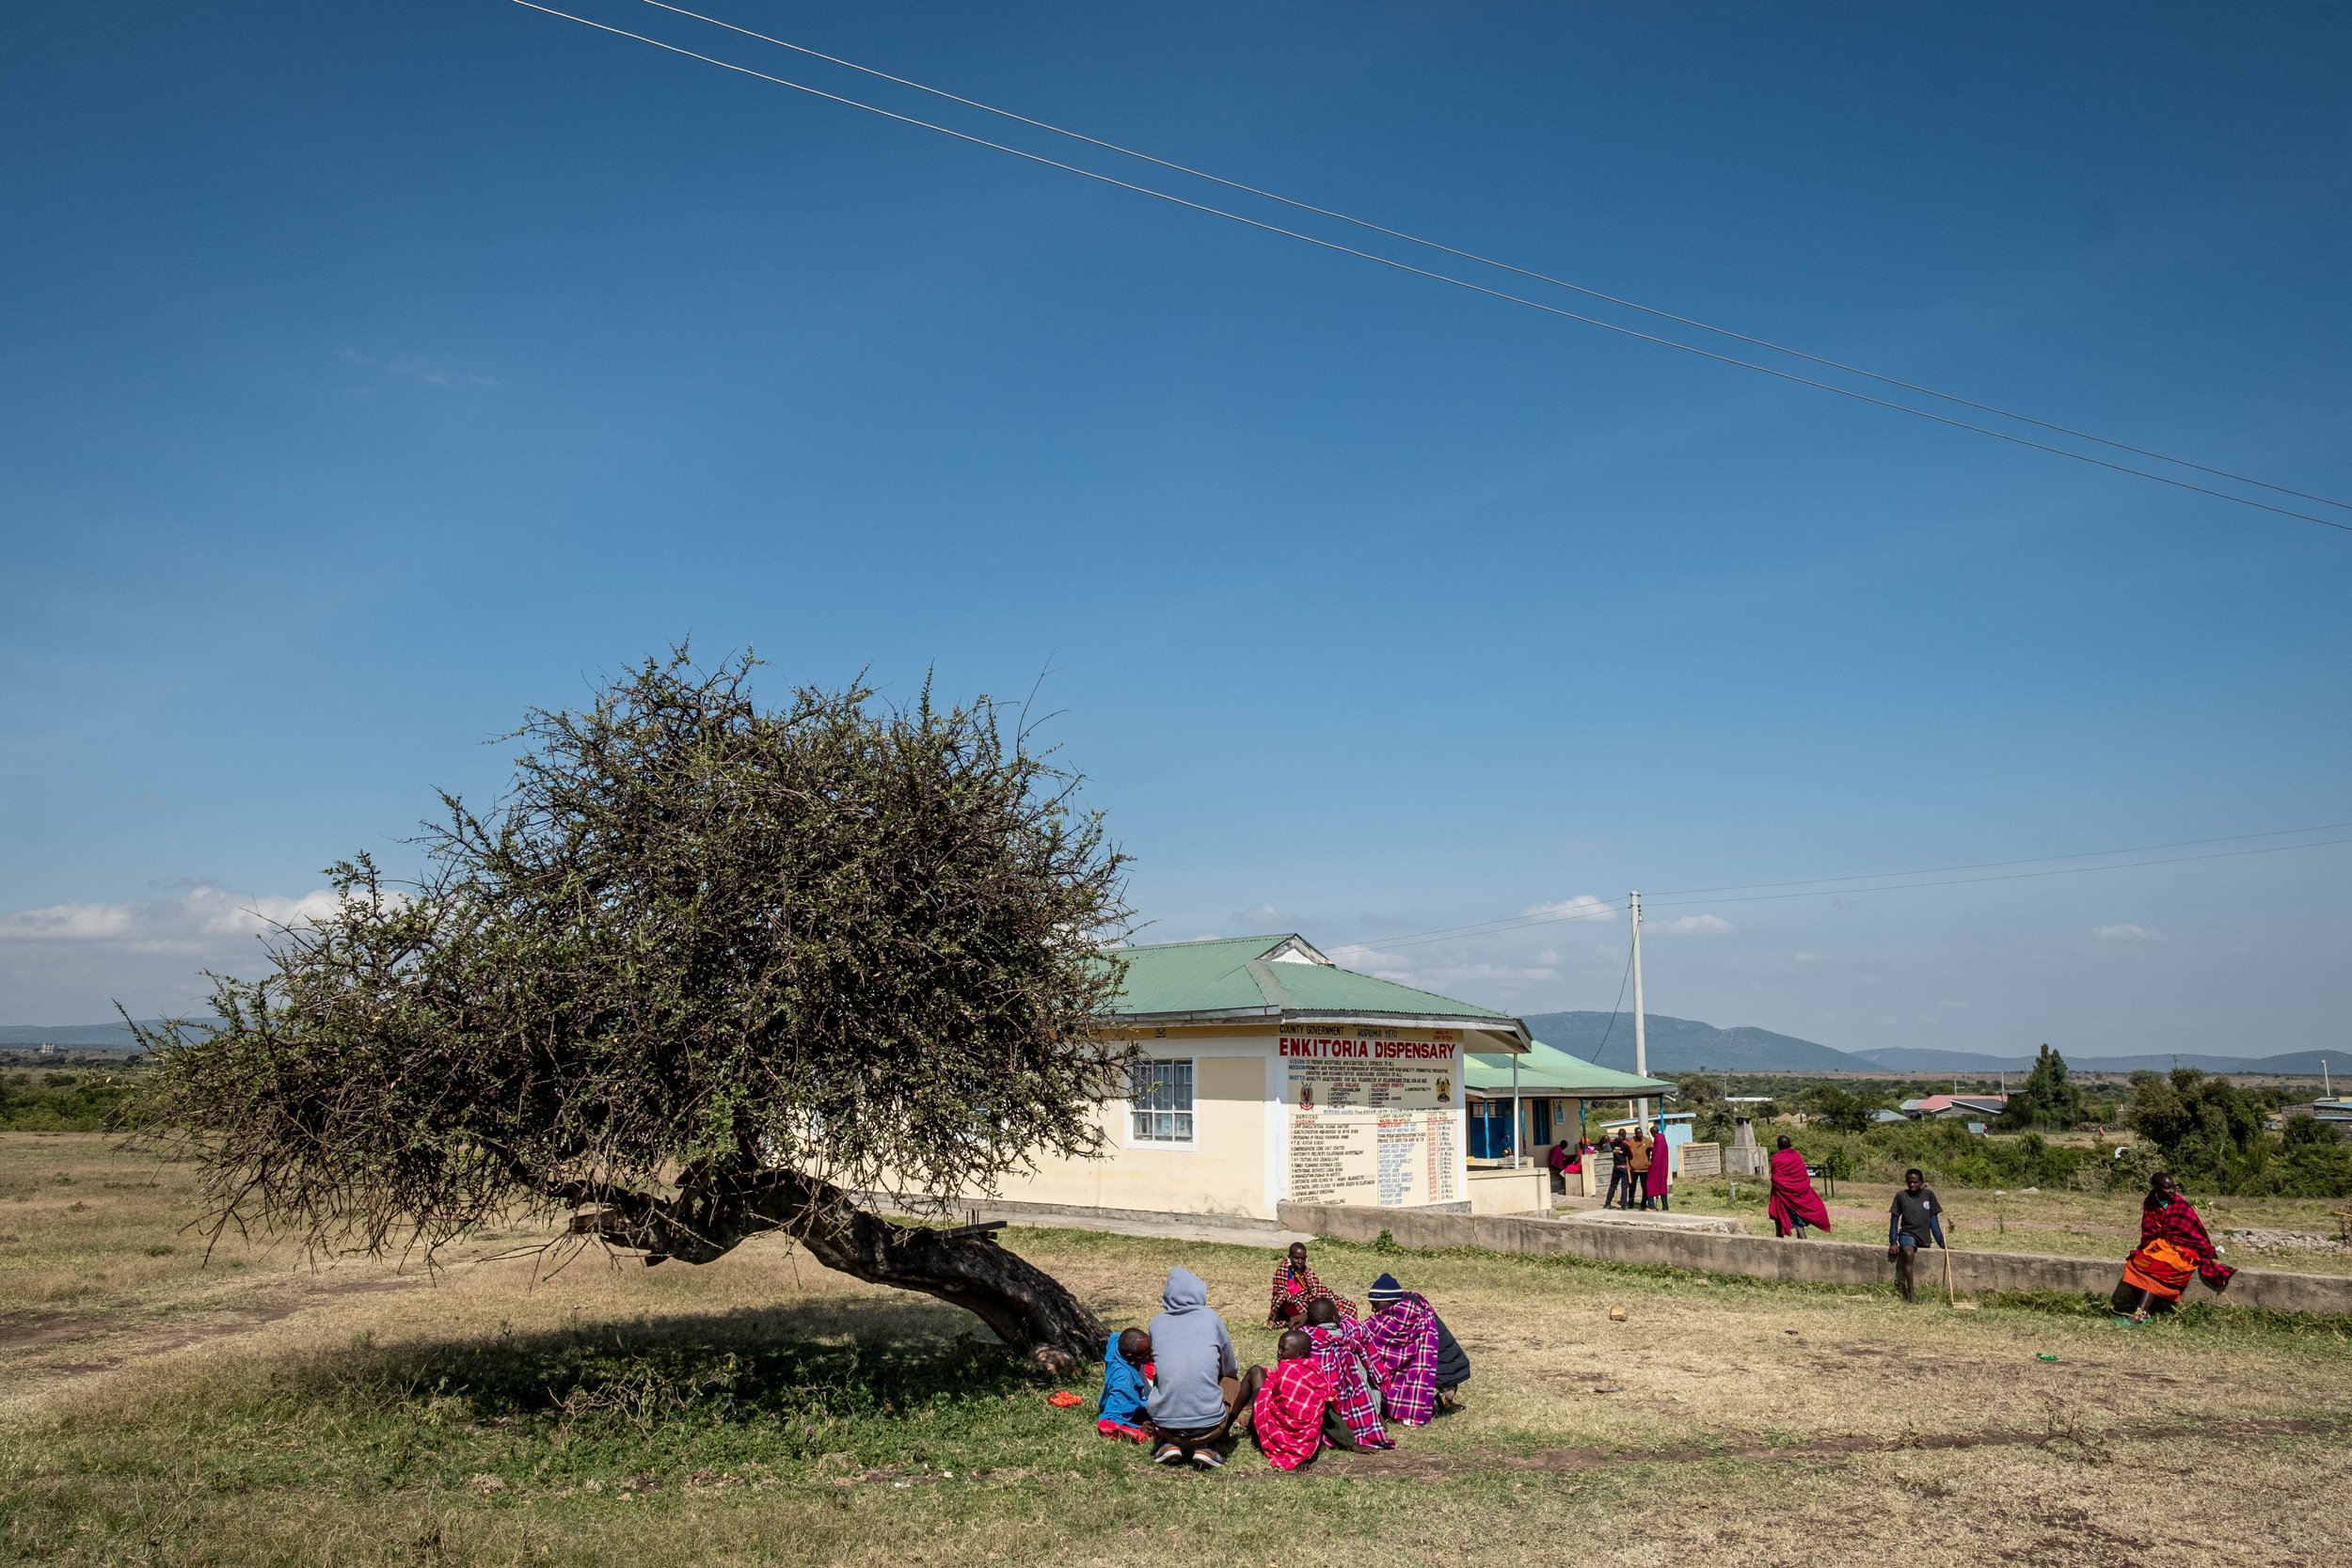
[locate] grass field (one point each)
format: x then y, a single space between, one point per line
762 1410
2066 1223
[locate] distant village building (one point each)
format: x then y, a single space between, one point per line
1554 1093
1955 1107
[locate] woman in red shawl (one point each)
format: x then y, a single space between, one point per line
1294 1286
1657 1181
2173 1248
1795 1204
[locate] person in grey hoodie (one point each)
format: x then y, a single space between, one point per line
1199 1388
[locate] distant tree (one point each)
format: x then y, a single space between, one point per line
2207 1129
1843 1111
708 971
2314 1161
2047 1099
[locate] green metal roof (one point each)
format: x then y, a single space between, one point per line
1239 977
1547 1069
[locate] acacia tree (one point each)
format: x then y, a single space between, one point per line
707 972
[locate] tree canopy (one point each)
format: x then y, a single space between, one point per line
2047 1098
707 971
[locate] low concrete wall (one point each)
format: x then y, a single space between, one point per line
1021 1212
1510 1192
1812 1263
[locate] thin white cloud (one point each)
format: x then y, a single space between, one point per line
1691 925
2128 933
1809 958
204 919
1435 975
1583 907
1256 915
1371 960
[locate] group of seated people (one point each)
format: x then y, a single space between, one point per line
1339 1381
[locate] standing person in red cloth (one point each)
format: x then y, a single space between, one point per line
1795 1204
2173 1248
1294 1404
1657 1181
1295 1286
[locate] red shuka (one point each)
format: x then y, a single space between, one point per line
1288 1416
2173 1247
1793 1197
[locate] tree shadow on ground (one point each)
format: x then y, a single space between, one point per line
862 1360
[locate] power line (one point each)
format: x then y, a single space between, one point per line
1439 277
1492 261
1497 928
1616 1007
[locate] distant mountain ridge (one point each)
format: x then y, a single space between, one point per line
2307 1064
1686 1045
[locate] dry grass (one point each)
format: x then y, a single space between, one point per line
761 1410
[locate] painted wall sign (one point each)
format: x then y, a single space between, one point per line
1373 1119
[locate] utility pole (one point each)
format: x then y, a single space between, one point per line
1516 1161
1641 1027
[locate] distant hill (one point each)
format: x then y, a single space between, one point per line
1686 1045
2299 1063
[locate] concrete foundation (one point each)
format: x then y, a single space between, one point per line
1813 1262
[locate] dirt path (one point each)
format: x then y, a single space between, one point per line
118 1341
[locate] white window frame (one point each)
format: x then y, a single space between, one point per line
1188 1068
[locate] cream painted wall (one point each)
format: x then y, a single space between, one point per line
1225 1168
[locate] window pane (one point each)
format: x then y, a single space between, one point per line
1160 1100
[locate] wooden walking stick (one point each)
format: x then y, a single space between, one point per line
1947 1250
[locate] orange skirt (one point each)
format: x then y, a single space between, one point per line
2161 1268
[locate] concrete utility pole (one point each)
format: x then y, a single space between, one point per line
1640 1028
1516 1161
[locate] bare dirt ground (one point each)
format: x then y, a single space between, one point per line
762 1410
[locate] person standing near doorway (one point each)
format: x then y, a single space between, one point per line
1641 1152
1620 1170
1657 1184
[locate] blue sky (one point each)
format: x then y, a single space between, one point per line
372 374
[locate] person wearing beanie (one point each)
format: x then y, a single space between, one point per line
1412 1354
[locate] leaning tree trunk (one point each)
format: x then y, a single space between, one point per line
1031 1311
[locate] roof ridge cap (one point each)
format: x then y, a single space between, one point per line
1272 938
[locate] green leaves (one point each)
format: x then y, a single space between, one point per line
698 938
